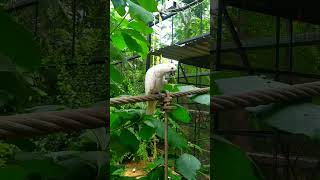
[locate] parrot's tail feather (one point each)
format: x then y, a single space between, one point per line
151 107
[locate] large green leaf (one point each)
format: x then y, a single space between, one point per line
179 113
18 44
298 119
150 5
119 6
231 163
175 140
125 142
155 174
118 41
140 27
98 136
139 13
146 132
132 43
115 75
202 99
120 117
188 165
137 35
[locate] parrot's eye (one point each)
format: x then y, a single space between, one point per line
172 68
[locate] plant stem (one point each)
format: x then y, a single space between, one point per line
124 17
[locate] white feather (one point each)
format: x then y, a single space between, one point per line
154 81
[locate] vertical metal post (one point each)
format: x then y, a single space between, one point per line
178 79
277 47
290 48
73 29
148 60
213 120
166 146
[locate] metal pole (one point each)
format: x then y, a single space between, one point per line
277 47
165 146
148 60
290 48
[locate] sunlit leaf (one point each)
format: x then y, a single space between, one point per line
140 27
139 13
150 5
118 41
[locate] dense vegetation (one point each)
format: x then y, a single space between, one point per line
41 71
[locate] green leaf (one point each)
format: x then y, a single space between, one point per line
301 118
132 44
188 165
175 140
183 88
137 35
115 53
120 117
232 163
146 132
202 99
119 6
170 88
155 174
115 75
139 13
150 5
140 27
179 113
124 143
98 136
118 41
18 44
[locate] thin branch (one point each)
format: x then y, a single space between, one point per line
124 17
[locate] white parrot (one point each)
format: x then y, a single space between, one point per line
154 81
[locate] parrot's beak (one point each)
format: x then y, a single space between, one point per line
172 73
